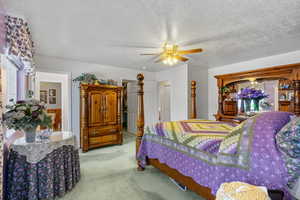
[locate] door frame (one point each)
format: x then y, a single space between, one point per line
163 84
134 121
65 79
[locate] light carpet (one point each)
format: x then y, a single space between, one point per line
110 173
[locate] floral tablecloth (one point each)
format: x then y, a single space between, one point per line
45 178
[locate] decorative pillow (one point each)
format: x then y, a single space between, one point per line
288 138
288 142
241 191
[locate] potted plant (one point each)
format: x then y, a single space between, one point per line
27 115
86 78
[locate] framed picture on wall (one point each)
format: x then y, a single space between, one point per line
44 96
52 92
52 100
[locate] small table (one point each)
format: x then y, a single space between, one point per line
42 170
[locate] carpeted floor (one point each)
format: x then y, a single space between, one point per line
110 174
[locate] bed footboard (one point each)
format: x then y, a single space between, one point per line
140 112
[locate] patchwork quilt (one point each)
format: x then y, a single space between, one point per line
210 141
212 153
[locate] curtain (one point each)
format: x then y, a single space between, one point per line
20 51
2 28
20 47
1 139
2 47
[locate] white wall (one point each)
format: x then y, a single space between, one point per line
200 75
9 78
282 59
178 78
75 68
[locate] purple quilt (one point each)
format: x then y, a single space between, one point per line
255 157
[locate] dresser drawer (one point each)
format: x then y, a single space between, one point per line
106 130
103 139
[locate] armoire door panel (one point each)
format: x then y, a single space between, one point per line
111 106
96 108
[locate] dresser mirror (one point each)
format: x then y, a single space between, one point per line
244 94
248 97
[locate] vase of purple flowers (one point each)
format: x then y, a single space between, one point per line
251 94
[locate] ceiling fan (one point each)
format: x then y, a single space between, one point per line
171 54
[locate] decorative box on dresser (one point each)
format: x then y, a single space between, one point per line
100 116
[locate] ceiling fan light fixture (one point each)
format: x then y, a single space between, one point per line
171 54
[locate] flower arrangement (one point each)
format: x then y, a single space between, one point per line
251 93
26 115
86 78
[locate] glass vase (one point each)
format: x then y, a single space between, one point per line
256 105
242 109
247 105
30 134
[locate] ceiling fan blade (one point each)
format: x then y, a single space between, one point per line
181 58
190 51
159 60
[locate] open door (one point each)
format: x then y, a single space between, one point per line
131 106
150 104
164 100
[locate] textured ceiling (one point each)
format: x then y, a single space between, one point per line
115 32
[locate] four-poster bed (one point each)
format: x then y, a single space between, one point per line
173 173
203 164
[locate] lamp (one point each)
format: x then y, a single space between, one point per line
170 60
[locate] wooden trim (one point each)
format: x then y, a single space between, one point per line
119 115
100 86
84 118
297 97
184 180
193 100
57 120
140 115
280 68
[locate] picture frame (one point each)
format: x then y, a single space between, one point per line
44 96
52 100
52 92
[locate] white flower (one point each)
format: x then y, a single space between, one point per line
41 117
19 115
34 108
21 108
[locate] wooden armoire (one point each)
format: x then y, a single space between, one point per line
100 116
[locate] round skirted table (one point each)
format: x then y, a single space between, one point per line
45 169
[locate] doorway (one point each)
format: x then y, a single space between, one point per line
54 90
164 101
129 105
50 94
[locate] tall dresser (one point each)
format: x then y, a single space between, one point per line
100 116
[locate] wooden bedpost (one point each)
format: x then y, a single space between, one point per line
193 97
297 97
140 116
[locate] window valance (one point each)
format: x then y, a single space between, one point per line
19 44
